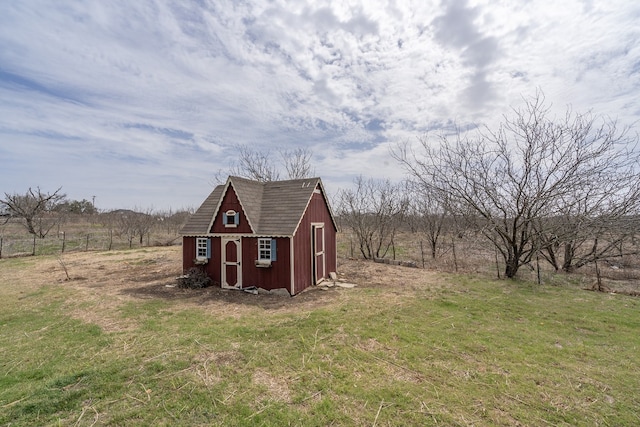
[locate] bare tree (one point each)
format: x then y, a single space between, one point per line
511 181
143 222
175 220
260 165
109 220
131 223
297 163
256 165
373 210
590 232
36 208
124 223
429 215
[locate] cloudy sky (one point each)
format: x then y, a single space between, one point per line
141 103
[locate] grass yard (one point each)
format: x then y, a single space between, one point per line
115 346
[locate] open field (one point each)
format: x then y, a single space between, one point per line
471 254
475 255
115 346
81 233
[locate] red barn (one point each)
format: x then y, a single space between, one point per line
271 235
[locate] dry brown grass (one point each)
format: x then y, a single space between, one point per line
277 388
474 255
103 282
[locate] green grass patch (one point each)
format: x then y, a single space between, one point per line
475 352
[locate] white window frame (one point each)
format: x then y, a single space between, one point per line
264 249
230 218
202 245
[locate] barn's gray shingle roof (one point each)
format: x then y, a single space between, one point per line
272 208
199 222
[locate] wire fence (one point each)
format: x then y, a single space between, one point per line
473 254
410 249
63 242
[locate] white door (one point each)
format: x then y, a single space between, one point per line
317 252
231 257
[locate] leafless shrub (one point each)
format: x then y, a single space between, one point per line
195 278
373 210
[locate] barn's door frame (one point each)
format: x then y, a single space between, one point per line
318 257
237 263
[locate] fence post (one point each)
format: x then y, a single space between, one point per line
33 252
0 247
598 275
453 250
393 246
86 248
422 253
63 240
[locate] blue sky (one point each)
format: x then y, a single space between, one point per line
141 103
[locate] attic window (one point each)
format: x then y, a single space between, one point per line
231 219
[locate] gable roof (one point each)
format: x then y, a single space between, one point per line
199 222
272 208
250 194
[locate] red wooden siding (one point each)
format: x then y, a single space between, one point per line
188 253
230 202
274 277
212 268
317 212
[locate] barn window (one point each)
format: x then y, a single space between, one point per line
231 218
267 249
203 248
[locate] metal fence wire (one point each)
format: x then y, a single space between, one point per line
62 242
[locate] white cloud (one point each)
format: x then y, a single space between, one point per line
141 103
